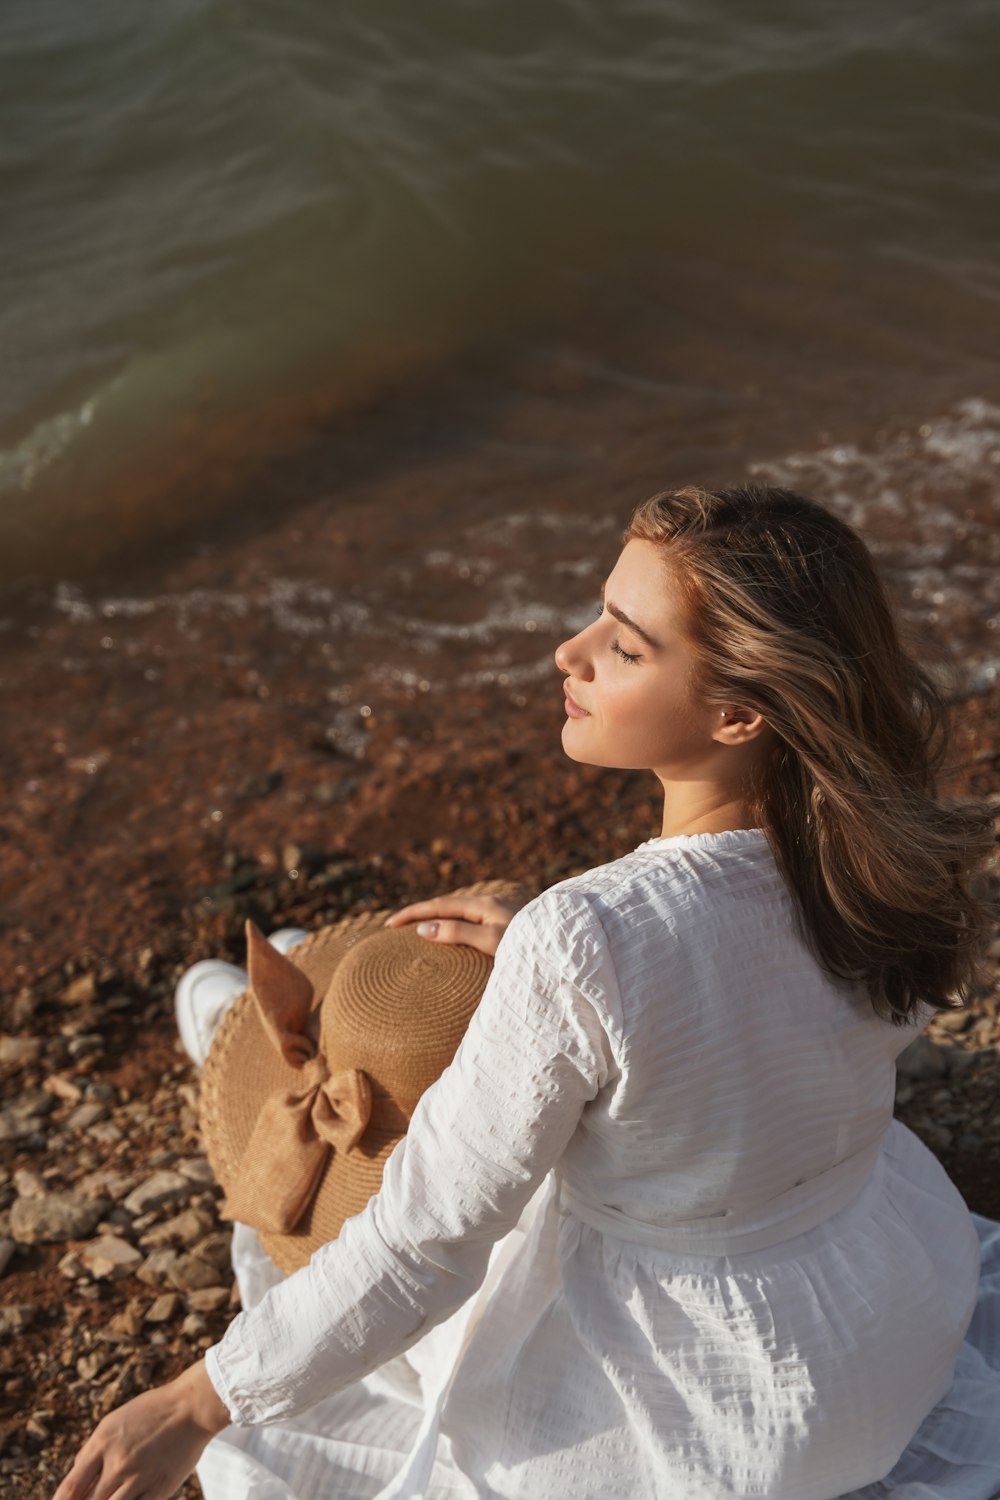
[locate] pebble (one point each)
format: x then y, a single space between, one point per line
922 1060
54 1217
29 1184
157 1191
105 1184
190 1273
197 1169
164 1308
80 991
16 1318
84 1116
15 1051
110 1258
184 1229
7 1248
208 1299
64 1088
155 1269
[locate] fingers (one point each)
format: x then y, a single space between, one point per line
477 935
465 908
81 1478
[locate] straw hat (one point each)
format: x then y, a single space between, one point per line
312 1078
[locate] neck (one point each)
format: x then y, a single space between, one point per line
705 814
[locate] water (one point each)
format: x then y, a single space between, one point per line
227 225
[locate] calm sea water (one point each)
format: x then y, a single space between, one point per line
225 222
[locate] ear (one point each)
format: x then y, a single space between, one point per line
738 726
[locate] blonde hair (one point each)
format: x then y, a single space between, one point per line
789 618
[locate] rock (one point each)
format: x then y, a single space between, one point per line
922 1060
190 1273
208 1299
15 1051
156 1268
104 1184
80 991
84 1116
197 1169
193 1325
157 1191
216 1249
128 1323
19 1117
164 1308
54 1217
107 1133
136 1376
38 1426
71 1267
29 1184
110 1258
89 1366
63 1087
184 1229
16 1318
7 1248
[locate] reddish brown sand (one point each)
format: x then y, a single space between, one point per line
115 876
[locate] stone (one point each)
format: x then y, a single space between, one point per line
197 1169
190 1273
158 1191
7 1248
184 1229
105 1184
16 1051
208 1299
164 1308
106 1133
16 1318
216 1249
71 1267
922 1060
156 1268
38 1426
29 1184
84 1116
194 1325
134 1377
54 1217
89 1366
128 1323
80 991
63 1087
110 1258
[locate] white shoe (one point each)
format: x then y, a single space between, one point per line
204 994
287 938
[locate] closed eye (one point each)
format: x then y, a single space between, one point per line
630 656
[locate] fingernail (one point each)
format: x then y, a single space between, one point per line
427 929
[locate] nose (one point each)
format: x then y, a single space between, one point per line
571 658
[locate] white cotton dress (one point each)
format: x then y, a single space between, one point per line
653 1234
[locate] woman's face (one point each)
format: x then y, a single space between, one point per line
629 696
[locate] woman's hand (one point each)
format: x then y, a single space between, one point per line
149 1446
477 921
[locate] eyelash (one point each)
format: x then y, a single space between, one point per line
630 656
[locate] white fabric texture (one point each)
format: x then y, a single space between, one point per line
672 1238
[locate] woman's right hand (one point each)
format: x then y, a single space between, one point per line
478 921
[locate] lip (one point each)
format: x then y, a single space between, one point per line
573 709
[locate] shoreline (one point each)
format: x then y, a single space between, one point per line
184 754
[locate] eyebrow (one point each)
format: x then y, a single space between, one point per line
623 618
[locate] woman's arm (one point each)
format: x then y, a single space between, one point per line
149 1446
480 1142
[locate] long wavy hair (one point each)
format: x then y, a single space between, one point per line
789 618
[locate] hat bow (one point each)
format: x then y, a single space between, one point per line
298 1127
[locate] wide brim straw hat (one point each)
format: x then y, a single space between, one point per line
311 1080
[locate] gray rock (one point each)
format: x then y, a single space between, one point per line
158 1191
156 1268
84 1116
15 1051
921 1061
190 1273
184 1229
216 1249
16 1318
55 1217
110 1258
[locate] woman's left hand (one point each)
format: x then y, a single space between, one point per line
478 921
149 1446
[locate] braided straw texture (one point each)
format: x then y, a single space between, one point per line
384 1001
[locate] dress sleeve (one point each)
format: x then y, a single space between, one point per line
537 1050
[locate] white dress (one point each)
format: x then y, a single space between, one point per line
674 1243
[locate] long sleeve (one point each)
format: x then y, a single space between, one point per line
481 1140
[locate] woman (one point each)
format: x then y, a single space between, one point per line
738 1276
